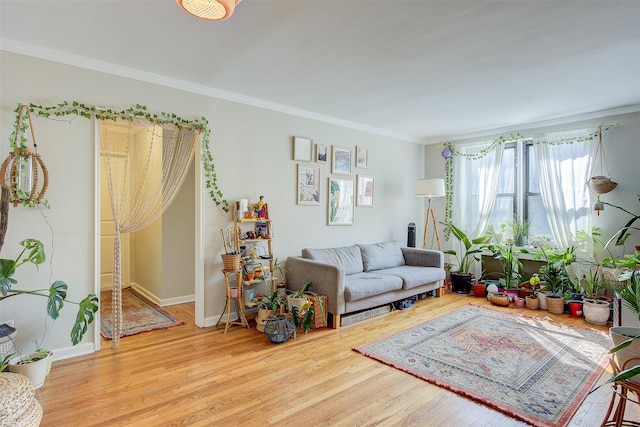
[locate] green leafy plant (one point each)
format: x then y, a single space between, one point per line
555 272
272 301
469 249
512 267
33 253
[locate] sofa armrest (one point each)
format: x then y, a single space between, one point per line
326 280
423 257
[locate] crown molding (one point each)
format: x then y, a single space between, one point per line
534 125
39 52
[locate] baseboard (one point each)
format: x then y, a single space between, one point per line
163 302
73 351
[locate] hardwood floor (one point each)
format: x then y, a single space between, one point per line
187 376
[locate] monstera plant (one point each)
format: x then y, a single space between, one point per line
56 296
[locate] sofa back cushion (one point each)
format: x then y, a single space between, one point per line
347 257
381 255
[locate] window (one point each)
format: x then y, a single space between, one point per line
518 204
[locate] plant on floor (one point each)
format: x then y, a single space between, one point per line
469 249
555 272
512 267
33 253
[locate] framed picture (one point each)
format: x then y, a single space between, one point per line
321 153
341 198
308 185
341 161
362 157
302 149
365 191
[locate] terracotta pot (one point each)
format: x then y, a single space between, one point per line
555 304
479 289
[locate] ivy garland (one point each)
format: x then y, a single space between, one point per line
450 151
17 137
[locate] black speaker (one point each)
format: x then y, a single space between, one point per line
411 235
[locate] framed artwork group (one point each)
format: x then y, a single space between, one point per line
344 192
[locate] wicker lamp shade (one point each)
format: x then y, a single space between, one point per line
212 10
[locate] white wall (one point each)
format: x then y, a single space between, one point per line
622 151
251 148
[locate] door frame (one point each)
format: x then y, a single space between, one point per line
198 228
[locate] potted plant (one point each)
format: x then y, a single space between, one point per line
555 276
596 311
512 267
298 299
33 253
268 306
466 256
532 301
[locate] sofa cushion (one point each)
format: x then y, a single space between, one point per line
381 255
347 257
364 285
413 276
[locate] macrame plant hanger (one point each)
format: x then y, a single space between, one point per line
25 166
600 184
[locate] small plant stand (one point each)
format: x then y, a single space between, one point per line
622 392
236 299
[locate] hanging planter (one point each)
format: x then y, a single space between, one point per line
24 173
600 184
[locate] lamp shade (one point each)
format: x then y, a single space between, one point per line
211 10
430 188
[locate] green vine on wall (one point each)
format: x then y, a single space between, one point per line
501 140
18 138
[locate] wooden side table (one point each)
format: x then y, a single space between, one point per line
236 299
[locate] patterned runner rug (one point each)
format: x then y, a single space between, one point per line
528 368
138 313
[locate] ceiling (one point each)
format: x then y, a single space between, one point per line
417 70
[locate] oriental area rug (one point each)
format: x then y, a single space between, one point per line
528 368
138 314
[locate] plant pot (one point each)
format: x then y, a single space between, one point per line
233 292
34 366
524 292
555 304
461 283
542 298
479 289
575 307
297 302
596 311
261 317
620 334
512 293
500 299
532 302
519 301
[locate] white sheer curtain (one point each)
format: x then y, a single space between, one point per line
476 170
145 165
563 160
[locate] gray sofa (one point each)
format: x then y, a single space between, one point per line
359 277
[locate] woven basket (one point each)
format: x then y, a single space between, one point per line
601 184
231 262
7 344
500 299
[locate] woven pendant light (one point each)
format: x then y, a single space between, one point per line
25 168
212 10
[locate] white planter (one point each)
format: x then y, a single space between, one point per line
297 302
619 334
542 297
595 311
36 370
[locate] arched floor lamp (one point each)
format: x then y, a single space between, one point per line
431 189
